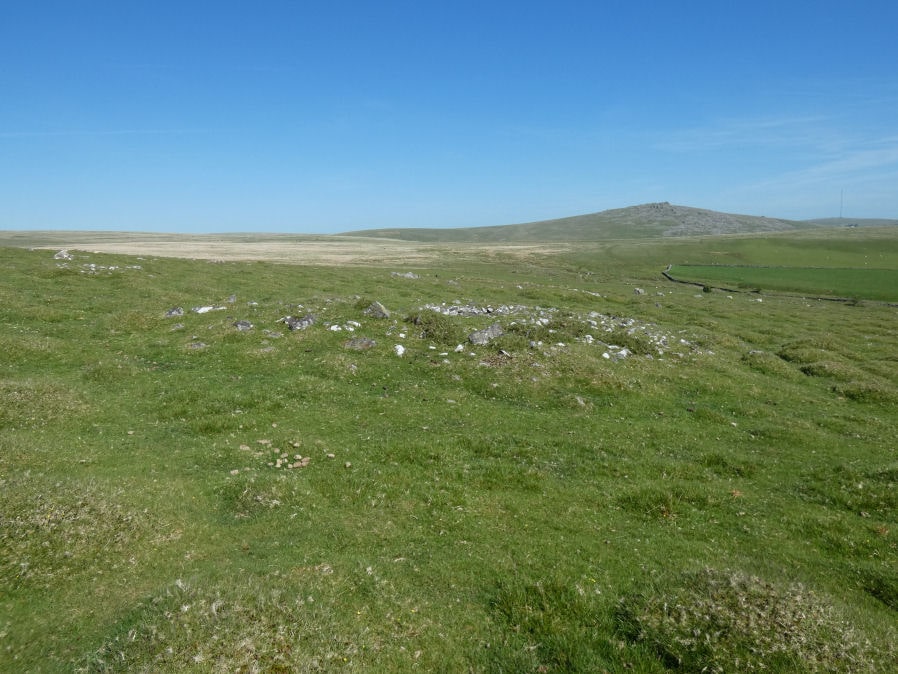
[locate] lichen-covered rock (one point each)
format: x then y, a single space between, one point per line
485 336
360 344
299 323
377 310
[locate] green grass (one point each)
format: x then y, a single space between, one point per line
869 284
529 505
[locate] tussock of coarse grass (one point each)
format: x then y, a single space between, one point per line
865 493
245 496
867 391
297 618
830 369
725 621
437 327
769 364
34 403
803 355
810 350
50 531
729 466
249 627
29 347
881 583
542 626
665 503
108 372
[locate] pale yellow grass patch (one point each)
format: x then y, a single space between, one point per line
286 249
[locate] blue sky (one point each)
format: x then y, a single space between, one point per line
305 117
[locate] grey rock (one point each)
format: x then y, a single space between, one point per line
485 336
407 274
377 310
360 344
638 291
174 311
63 255
299 323
243 326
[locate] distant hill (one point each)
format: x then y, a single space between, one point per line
636 222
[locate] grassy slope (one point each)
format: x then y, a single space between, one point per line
635 222
855 284
485 512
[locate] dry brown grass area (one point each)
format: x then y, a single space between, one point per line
285 249
289 252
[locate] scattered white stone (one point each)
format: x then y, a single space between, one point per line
399 349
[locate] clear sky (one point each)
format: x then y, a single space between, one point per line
327 116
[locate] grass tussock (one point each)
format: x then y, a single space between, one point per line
769 364
434 326
35 402
250 627
722 621
868 391
665 503
830 369
52 532
543 626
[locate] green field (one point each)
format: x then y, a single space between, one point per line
626 482
869 284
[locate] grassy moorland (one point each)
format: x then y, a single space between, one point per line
857 284
620 482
